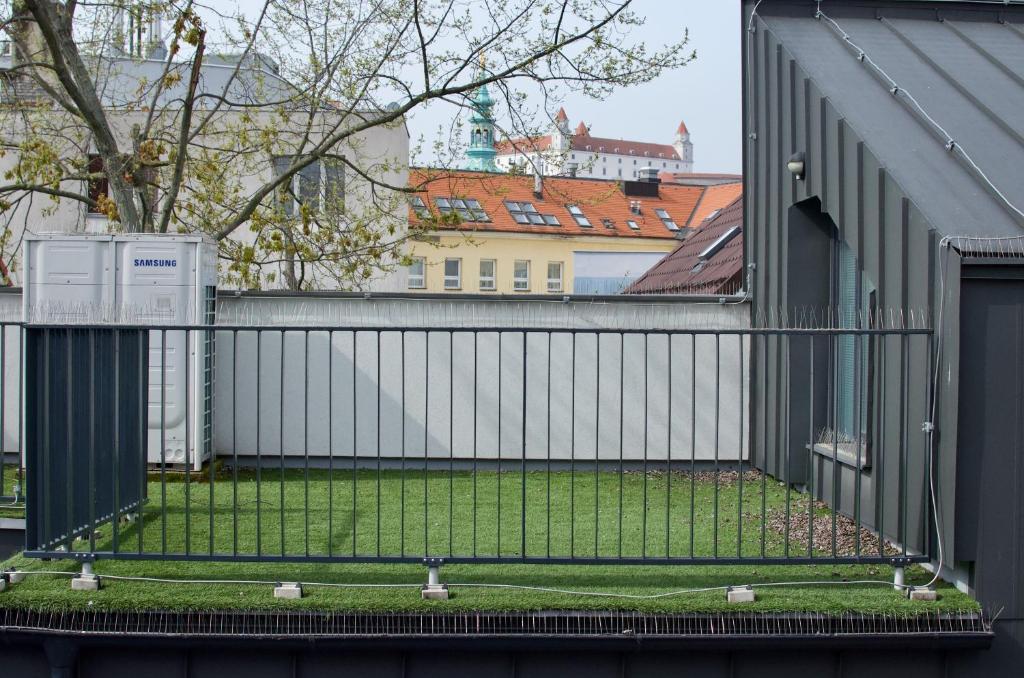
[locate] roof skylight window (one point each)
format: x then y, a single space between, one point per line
579 216
468 210
633 225
713 249
607 223
666 219
526 213
419 207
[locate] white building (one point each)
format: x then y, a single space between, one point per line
251 84
563 152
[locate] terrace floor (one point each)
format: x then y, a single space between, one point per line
579 514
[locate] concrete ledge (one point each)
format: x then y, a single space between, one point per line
434 592
740 594
288 591
16 577
85 582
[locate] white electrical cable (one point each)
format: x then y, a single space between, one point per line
951 144
484 585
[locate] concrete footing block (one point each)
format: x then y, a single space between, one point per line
740 594
923 593
85 582
434 592
288 591
3 583
16 577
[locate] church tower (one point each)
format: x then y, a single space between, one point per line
481 153
684 147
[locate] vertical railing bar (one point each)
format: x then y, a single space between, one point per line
739 518
622 420
548 456
764 474
718 470
92 441
929 523
21 408
330 443
572 453
378 443
501 336
68 440
426 443
259 444
834 350
451 442
789 481
45 469
811 457
476 405
3 410
163 442
879 439
116 522
234 440
280 439
597 442
305 434
693 441
668 454
144 436
643 531
401 493
188 446
523 472
904 440
208 399
858 395
355 437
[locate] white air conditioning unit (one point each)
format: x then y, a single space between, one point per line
140 279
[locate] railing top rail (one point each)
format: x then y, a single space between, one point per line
444 329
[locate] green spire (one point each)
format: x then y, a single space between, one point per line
481 153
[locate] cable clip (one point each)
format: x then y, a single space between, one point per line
894 91
950 145
927 427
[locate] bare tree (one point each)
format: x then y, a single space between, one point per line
170 115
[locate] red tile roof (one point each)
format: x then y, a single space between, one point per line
683 271
599 200
561 115
682 128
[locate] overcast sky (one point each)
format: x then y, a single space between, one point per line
706 94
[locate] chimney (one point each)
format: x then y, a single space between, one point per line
572 167
538 184
648 175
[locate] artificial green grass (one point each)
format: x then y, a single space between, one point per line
455 514
8 478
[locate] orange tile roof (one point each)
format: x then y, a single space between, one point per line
716 197
599 200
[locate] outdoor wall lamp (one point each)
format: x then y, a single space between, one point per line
796 164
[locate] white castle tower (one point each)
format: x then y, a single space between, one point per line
684 147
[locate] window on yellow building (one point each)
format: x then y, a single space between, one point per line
417 273
453 274
487 275
554 276
521 276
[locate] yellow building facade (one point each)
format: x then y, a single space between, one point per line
517 263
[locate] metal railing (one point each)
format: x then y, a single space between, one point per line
383 444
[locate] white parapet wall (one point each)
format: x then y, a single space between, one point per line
453 393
